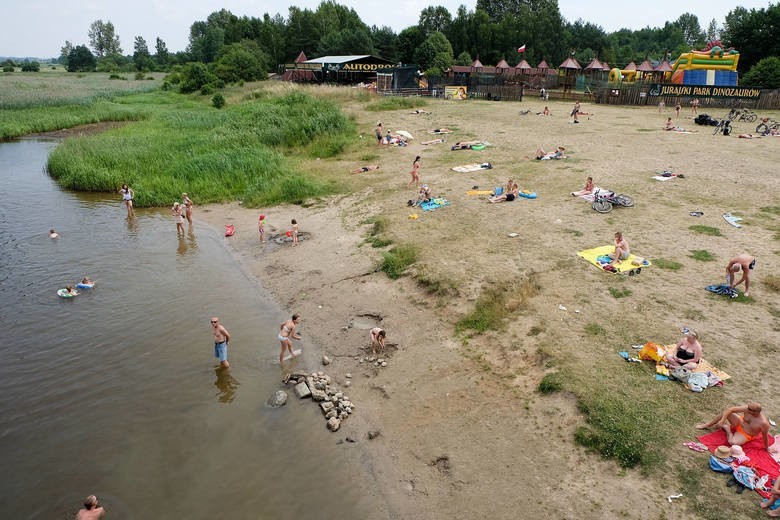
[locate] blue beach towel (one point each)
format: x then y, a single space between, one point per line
723 290
433 204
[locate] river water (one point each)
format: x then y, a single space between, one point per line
115 392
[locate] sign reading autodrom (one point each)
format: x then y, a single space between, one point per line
368 67
705 91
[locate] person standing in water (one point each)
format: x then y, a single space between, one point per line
221 339
128 195
286 334
176 210
91 509
188 205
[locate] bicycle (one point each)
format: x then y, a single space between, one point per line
724 126
604 201
767 126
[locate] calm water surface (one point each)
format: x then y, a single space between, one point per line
115 393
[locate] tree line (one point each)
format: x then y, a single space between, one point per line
230 48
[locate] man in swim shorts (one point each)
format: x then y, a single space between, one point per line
622 252
741 424
221 339
744 263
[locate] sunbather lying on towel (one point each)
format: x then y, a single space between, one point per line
419 111
466 145
555 154
434 141
368 168
440 131
508 196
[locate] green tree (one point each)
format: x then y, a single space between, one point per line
464 59
161 56
692 33
270 35
302 32
103 39
765 73
384 41
81 59
344 42
434 56
753 33
434 19
408 41
65 52
241 61
195 76
713 31
206 40
141 57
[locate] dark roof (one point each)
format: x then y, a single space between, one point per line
646 66
523 65
301 58
543 65
502 65
663 67
476 63
595 64
630 66
570 63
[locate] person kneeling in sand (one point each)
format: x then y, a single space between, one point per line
368 168
587 190
741 424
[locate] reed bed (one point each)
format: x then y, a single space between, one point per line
246 151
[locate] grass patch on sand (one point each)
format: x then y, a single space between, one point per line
376 236
550 383
182 142
670 265
702 255
619 293
772 282
395 261
774 210
436 284
705 230
497 302
395 103
594 329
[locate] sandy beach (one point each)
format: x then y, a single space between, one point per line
464 432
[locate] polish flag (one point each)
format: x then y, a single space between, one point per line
521 49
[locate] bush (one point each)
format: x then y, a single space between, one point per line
116 76
31 66
8 68
552 382
395 261
139 75
207 89
218 101
765 73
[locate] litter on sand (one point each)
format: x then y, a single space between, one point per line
513 235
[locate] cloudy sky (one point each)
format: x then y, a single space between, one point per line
39 28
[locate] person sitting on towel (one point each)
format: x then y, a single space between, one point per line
741 424
587 190
686 353
465 145
622 252
507 196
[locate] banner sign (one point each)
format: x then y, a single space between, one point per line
366 67
705 91
455 92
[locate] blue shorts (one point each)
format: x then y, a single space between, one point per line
220 351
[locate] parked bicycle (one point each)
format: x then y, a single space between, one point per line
741 114
723 126
768 126
604 201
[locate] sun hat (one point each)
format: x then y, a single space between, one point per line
262 217
737 451
722 452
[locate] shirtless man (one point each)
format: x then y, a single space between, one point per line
221 339
741 424
91 509
744 263
622 251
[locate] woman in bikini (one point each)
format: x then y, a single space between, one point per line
686 353
188 205
287 334
415 173
587 190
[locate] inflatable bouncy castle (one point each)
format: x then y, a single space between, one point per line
710 66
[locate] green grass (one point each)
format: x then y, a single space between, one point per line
619 293
702 255
706 230
376 236
245 151
775 210
550 383
594 329
395 103
670 265
395 261
497 302
436 284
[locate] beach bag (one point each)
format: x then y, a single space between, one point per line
652 352
681 374
720 466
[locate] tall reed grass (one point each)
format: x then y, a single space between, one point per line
245 151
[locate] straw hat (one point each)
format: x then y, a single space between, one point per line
722 452
737 451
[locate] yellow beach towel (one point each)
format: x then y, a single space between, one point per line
632 263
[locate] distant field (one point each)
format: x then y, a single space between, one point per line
58 87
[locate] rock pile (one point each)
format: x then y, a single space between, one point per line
320 387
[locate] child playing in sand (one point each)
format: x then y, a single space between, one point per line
377 335
261 227
294 231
